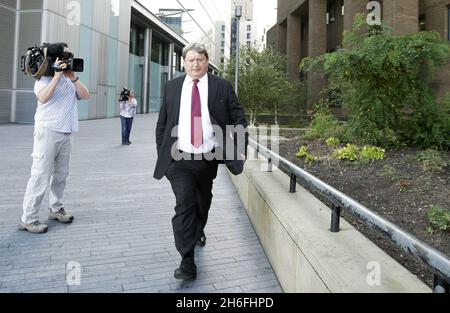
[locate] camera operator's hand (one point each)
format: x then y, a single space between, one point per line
69 74
60 64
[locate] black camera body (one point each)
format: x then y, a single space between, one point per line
40 60
73 65
125 95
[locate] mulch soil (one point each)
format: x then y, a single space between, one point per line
397 188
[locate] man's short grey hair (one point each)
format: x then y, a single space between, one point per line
199 48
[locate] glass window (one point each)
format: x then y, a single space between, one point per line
248 43
422 22
223 28
249 28
331 11
223 44
249 36
136 40
223 35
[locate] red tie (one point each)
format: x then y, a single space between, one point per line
196 117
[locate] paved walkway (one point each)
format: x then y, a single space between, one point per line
122 234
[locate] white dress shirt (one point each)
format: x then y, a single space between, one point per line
184 123
60 113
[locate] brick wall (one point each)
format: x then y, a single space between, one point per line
436 19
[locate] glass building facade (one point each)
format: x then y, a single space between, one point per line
122 43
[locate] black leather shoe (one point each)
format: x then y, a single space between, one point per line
201 242
186 273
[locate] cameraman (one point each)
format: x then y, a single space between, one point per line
128 105
57 92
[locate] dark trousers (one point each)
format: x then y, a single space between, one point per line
192 182
127 123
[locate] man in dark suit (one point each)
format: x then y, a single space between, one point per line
191 137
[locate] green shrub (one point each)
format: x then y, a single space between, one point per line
372 153
323 124
332 142
432 160
439 219
384 83
350 153
304 153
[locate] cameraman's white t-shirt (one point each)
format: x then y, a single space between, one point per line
128 108
60 113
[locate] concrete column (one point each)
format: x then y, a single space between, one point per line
171 51
402 15
146 74
281 38
317 28
15 68
351 8
317 45
293 46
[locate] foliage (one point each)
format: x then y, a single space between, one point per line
432 160
304 153
439 219
325 125
264 85
353 153
372 153
350 153
383 82
332 142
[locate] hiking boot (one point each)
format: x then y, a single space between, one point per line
35 227
62 216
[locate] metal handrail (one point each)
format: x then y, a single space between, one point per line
437 261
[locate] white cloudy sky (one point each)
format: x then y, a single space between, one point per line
218 10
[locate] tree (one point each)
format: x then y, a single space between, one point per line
263 83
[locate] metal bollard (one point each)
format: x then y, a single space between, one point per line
269 165
335 218
293 187
440 285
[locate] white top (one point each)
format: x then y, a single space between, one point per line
128 108
184 123
60 113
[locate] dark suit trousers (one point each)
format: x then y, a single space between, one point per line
192 182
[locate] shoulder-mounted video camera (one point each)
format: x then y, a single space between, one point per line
125 95
40 60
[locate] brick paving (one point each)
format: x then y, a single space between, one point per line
122 235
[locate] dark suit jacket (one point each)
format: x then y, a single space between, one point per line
224 110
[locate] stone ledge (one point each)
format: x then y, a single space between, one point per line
294 230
